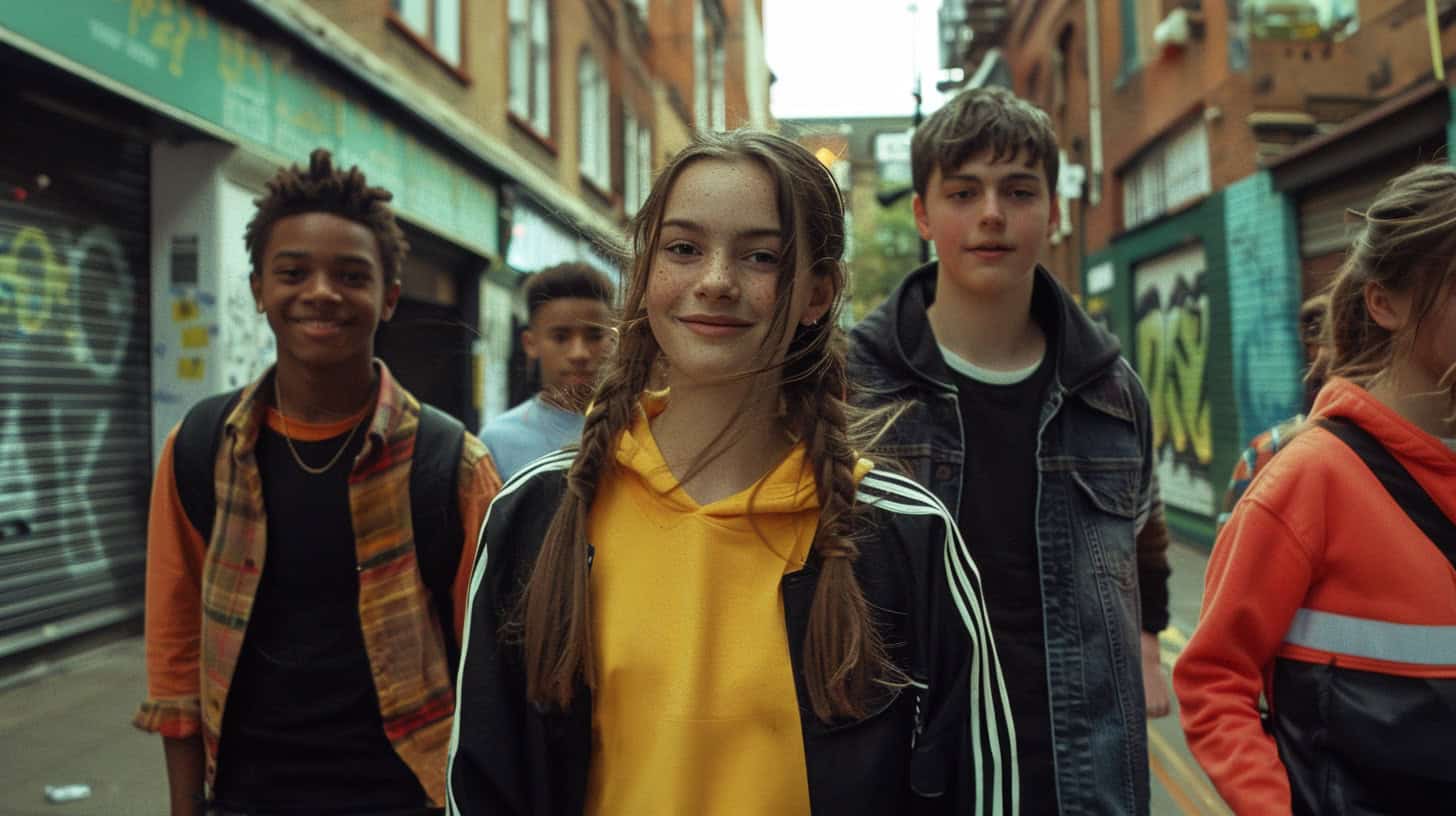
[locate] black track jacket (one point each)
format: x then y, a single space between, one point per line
942 744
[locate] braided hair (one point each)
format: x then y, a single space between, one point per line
844 653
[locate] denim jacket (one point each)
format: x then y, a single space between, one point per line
1094 477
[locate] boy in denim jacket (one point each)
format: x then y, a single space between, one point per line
1030 426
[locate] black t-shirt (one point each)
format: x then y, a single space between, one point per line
302 732
997 517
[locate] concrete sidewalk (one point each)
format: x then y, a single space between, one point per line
73 725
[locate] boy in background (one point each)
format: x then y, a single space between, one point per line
568 336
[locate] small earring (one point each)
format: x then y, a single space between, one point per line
259 307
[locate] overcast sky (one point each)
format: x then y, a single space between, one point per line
850 57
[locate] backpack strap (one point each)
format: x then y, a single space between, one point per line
434 506
194 459
1403 487
435 513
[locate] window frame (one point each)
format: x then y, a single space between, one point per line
701 60
636 162
426 40
1174 174
532 106
718 86
710 59
594 122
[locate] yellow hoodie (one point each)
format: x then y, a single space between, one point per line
695 709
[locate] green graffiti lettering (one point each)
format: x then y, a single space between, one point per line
1150 335
1172 342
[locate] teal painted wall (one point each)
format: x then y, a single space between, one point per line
1451 129
278 98
1264 293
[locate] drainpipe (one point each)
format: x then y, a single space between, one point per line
1094 101
1433 23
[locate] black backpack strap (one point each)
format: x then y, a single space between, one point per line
1403 487
435 513
194 459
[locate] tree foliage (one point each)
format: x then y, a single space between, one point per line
886 249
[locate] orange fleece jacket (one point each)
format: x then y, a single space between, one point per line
1316 530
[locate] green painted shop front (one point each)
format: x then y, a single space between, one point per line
1163 290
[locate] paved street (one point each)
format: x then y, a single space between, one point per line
72 725
1179 785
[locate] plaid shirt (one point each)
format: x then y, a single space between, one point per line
199 596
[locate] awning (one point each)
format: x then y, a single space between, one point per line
1403 121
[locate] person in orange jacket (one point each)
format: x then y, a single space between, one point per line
1272 439
1324 593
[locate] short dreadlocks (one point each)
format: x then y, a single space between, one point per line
322 188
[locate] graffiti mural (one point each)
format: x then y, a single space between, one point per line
1171 326
74 424
1264 284
249 350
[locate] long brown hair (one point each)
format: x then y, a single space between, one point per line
844 654
1407 244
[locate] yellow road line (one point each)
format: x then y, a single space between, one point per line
1175 636
1170 644
1166 761
1194 776
1174 790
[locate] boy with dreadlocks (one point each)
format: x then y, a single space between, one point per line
298 647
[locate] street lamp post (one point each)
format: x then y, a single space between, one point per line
918 115
888 198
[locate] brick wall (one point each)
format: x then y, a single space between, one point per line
1390 51
1047 55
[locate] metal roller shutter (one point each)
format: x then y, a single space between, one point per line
1324 223
75 418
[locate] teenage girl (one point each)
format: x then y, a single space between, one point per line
1326 594
715 605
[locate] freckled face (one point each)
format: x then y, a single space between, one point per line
713 289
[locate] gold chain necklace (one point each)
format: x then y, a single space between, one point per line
288 436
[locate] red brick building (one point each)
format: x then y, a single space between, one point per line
1223 145
514 134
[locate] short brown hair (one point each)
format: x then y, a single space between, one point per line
324 188
990 119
